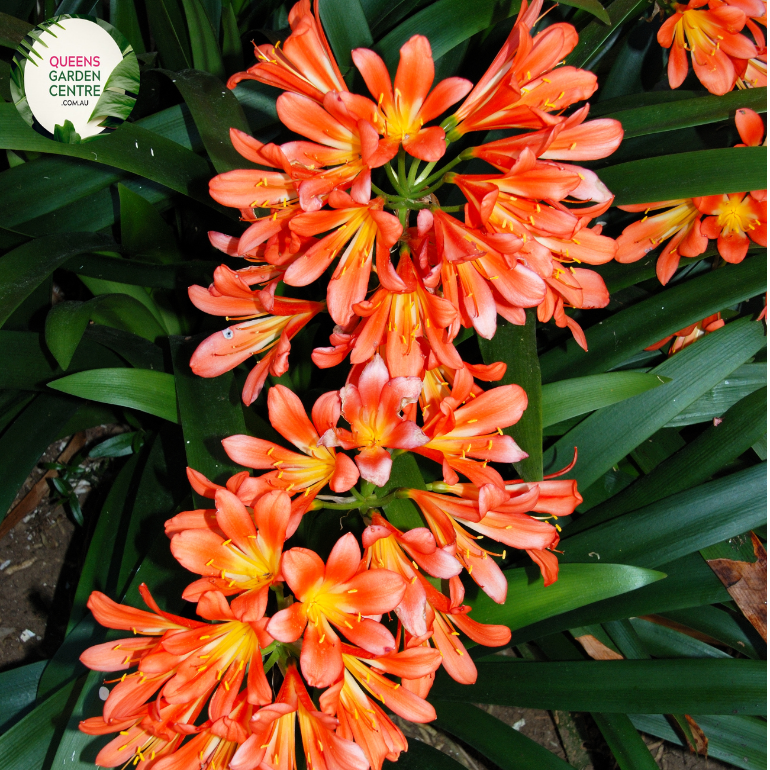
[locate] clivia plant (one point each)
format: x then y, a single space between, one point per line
492 336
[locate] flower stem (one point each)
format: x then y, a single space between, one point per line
410 180
424 175
394 180
434 177
402 168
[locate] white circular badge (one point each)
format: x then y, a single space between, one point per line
75 78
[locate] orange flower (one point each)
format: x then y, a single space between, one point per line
305 64
690 334
247 562
475 431
353 227
334 594
373 407
269 330
271 744
713 37
306 473
401 113
681 223
734 220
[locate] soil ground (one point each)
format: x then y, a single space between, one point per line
39 562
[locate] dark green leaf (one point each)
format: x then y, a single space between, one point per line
611 433
203 40
737 548
741 426
743 381
13 30
617 686
210 410
662 642
346 28
446 23
123 16
727 627
570 398
629 331
26 364
658 118
18 690
25 440
130 148
26 744
143 230
689 583
516 346
67 321
529 601
168 29
420 756
594 7
142 389
627 746
24 268
687 175
596 35
201 91
677 525
232 53
405 473
495 740
625 77
740 741
117 446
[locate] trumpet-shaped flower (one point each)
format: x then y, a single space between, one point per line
713 37
681 223
373 410
304 64
354 226
247 561
690 334
403 108
459 436
734 220
334 594
306 473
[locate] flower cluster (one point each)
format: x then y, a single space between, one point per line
732 219
711 31
370 625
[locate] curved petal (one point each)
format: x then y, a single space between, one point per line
287 625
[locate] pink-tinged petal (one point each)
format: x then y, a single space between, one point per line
287 625
272 513
372 592
443 96
371 382
405 435
288 416
488 635
310 119
440 564
374 464
213 606
490 578
370 636
321 656
499 407
733 246
218 354
750 127
250 607
303 570
429 144
234 519
345 473
113 656
548 563
253 452
201 484
375 74
413 610
326 412
414 75
343 560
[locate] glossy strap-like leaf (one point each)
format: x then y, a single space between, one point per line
669 116
608 435
629 331
617 686
508 749
516 346
142 389
687 175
